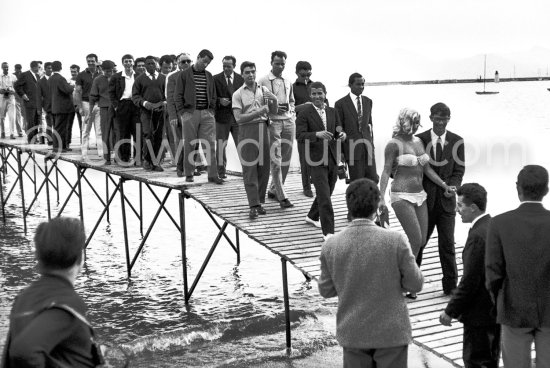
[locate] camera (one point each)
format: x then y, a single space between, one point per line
284 106
337 135
341 171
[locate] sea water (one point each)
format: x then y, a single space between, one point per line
236 316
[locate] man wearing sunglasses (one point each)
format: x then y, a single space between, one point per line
183 62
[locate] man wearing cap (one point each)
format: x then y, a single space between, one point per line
99 95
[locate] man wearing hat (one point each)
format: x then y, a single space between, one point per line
99 96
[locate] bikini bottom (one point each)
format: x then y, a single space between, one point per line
415 198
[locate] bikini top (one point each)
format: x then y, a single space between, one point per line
408 159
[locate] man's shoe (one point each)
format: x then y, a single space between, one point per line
261 210
271 195
197 173
68 149
107 162
285 203
223 176
215 180
201 169
12 136
253 213
311 221
308 193
158 168
189 179
20 135
2 136
180 174
147 166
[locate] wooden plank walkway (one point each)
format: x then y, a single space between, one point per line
285 233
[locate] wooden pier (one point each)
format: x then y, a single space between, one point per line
282 231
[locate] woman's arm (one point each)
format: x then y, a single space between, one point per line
390 154
431 174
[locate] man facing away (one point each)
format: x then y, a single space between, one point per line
301 97
368 268
126 113
148 93
318 128
227 82
281 127
183 62
471 303
446 151
251 104
195 98
28 88
354 112
517 268
62 106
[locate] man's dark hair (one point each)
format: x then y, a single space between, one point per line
56 66
59 242
232 58
140 60
316 85
362 197
47 64
205 52
440 107
533 182
353 77
92 56
17 66
473 193
74 66
34 64
280 54
247 64
150 57
166 59
302 65
127 56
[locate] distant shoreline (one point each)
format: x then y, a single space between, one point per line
450 81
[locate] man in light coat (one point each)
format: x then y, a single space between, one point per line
369 268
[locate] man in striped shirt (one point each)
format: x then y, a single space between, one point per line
195 99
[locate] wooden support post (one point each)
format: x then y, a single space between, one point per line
20 175
124 227
287 307
183 237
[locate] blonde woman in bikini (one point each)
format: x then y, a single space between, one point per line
406 158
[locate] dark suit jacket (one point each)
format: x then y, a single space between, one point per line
61 93
471 303
117 83
45 95
224 114
170 88
308 123
517 266
28 85
347 114
451 173
184 94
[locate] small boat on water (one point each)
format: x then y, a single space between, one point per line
484 92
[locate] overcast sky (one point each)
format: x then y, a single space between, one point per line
345 34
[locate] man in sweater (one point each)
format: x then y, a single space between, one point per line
148 93
471 303
195 99
99 95
368 268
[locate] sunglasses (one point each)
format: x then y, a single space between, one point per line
186 61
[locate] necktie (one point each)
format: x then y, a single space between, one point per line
359 114
230 85
323 117
153 77
439 150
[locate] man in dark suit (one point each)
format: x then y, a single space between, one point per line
471 303
227 82
28 89
126 113
62 106
319 129
446 151
46 100
517 269
354 112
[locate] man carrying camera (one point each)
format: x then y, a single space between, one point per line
320 130
7 100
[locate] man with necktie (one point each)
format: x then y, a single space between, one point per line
28 89
227 82
354 112
446 151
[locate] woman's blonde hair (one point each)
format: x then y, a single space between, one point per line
407 122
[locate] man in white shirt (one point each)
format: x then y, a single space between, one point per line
7 101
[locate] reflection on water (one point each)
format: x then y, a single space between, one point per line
235 317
